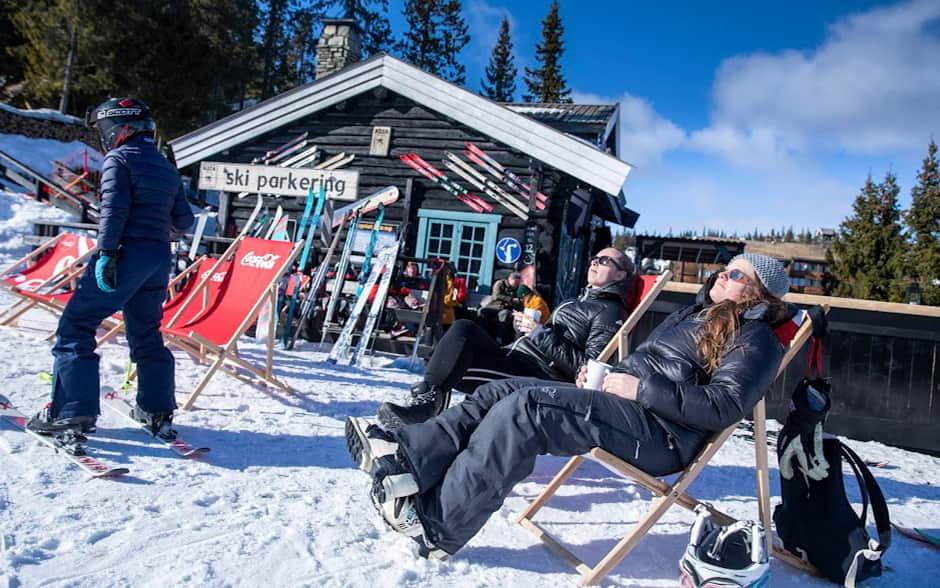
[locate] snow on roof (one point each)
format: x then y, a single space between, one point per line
46 113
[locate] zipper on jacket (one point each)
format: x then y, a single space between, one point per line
636 454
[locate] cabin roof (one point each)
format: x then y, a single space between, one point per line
504 123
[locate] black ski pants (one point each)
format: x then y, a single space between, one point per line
468 459
467 357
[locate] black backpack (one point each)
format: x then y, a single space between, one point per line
816 521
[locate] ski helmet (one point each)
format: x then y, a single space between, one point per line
724 557
119 119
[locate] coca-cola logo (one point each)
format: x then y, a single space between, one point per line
265 261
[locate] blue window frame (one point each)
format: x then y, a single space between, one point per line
466 239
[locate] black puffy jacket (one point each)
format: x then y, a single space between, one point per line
141 196
578 331
674 385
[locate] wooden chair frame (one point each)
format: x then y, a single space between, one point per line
671 494
620 342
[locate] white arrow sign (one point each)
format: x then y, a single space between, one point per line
282 181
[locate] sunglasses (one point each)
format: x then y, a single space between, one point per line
737 275
606 260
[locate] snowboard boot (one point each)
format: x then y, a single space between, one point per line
44 423
428 550
366 442
391 479
426 401
160 424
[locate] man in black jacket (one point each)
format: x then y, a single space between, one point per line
142 202
467 357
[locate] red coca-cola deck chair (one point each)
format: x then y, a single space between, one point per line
51 268
793 335
214 329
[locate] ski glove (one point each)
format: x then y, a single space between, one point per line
106 271
801 436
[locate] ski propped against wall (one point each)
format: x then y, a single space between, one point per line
378 302
370 249
90 465
506 175
412 160
311 228
197 234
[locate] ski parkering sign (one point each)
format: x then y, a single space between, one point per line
280 181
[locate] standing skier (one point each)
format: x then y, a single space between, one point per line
142 201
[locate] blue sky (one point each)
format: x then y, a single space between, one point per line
742 115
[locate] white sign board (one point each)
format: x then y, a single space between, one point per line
281 181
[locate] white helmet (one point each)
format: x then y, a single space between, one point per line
724 557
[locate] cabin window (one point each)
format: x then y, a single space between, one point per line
467 240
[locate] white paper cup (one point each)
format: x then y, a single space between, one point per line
596 370
533 313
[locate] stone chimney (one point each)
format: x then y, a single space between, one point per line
340 45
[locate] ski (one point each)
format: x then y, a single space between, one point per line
280 232
525 188
378 303
384 196
340 277
473 204
95 467
917 535
311 227
539 203
119 405
197 234
441 176
310 300
474 178
341 347
370 250
274 222
274 153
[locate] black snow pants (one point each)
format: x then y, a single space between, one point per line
467 357
468 459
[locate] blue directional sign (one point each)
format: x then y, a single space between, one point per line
508 250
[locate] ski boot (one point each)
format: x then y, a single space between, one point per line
426 402
160 424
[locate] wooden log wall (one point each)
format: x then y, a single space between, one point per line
884 369
347 127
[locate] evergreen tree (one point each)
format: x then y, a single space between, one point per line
788 237
866 256
11 68
546 83
301 55
923 221
371 17
274 33
500 82
435 37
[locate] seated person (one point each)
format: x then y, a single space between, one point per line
700 371
467 356
496 314
531 301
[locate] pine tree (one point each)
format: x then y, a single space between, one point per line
866 256
546 83
923 221
301 52
435 37
500 82
276 19
371 17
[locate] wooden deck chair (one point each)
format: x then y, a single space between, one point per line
44 267
675 493
176 294
648 288
256 268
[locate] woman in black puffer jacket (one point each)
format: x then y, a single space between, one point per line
700 371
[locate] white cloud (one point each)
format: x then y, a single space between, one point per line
874 84
644 134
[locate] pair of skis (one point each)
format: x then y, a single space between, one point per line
500 172
308 226
415 161
381 274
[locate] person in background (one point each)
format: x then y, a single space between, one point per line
496 315
142 203
467 356
531 301
700 371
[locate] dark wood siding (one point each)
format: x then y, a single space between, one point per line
348 128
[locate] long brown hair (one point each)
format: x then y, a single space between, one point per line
722 319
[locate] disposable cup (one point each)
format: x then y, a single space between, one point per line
533 313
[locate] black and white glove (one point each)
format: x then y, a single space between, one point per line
801 436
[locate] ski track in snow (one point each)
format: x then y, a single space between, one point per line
277 502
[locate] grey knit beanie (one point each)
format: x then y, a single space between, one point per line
769 271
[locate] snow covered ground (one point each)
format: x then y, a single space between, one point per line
278 503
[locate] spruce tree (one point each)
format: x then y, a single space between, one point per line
866 256
500 82
546 83
923 221
435 37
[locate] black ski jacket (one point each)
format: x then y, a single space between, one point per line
142 197
578 331
674 385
